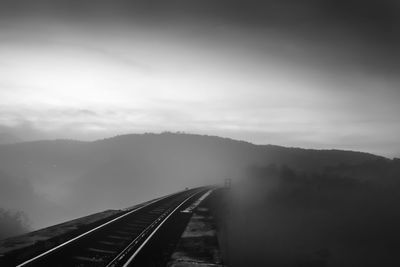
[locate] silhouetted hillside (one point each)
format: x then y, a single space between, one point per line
6 138
85 177
384 172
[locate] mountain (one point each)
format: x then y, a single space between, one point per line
85 177
7 138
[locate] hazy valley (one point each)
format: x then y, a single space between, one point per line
53 181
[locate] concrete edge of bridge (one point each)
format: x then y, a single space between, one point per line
198 245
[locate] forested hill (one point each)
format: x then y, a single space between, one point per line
64 179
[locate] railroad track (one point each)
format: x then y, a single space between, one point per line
118 241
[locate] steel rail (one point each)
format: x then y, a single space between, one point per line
128 249
75 239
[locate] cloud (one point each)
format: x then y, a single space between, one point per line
317 73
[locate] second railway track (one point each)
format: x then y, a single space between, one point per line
118 241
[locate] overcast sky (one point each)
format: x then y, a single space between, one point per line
315 74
